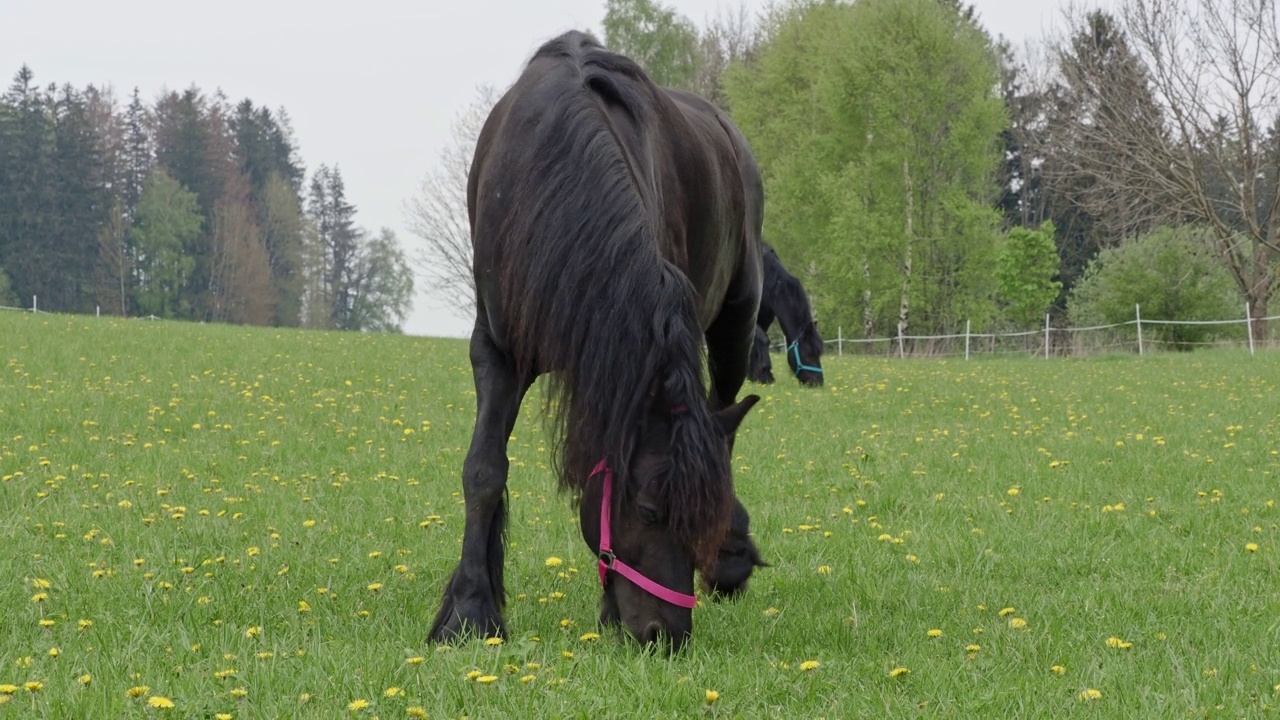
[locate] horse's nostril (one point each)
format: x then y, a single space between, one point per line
653 632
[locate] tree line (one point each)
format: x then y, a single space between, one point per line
188 207
921 173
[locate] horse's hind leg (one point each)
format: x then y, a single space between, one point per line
474 598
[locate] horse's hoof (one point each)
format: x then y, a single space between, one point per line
458 628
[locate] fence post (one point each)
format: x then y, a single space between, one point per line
840 340
34 305
1137 311
1248 326
901 352
1046 336
967 325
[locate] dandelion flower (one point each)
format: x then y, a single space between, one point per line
567 655
1090 694
473 674
1007 611
137 691
493 641
553 561
374 587
7 689
486 679
769 612
1017 623
824 569
33 686
160 702
239 692
898 672
392 691
1118 644
808 665
222 716
589 637
416 711
528 679
357 704
1251 547
934 633
712 696
1058 670
415 660
85 679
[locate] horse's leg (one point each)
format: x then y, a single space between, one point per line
729 342
474 597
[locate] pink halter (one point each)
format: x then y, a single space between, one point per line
609 562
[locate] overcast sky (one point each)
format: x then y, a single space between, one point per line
371 86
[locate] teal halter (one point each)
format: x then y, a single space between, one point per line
794 349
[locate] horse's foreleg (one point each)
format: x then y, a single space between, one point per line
474 597
729 342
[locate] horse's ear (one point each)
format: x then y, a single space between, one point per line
731 417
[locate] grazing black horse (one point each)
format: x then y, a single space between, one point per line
616 225
784 298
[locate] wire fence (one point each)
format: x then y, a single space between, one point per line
1139 335
1049 341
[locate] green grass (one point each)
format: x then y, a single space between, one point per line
184 488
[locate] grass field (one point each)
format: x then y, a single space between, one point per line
258 523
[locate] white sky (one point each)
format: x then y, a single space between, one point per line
371 86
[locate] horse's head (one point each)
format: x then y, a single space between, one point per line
671 511
804 355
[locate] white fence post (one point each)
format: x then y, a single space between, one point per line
34 305
1248 326
840 340
901 352
1137 311
1046 336
967 325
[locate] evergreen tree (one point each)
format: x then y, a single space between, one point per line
167 224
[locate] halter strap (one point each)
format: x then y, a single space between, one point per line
608 561
794 348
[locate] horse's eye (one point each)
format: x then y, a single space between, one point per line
648 515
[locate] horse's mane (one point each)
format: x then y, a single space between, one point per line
790 303
587 294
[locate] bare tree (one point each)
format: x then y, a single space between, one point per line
1209 154
729 37
437 214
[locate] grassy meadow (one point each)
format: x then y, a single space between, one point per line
205 521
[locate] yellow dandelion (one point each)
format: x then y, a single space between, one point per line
486 679
392 692
137 691
304 606
33 686
54 652
159 702
769 612
84 624
85 679
473 674
1118 644
898 672
415 660
357 704
416 711
1007 611
222 716
1251 547
374 587
7 689
39 597
934 633
712 696
824 569
528 679
253 631
1017 623
239 692
1058 670
589 637
46 623
1090 694
493 641
553 561
972 648
567 655
808 665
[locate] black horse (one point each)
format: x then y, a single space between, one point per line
784 298
616 225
